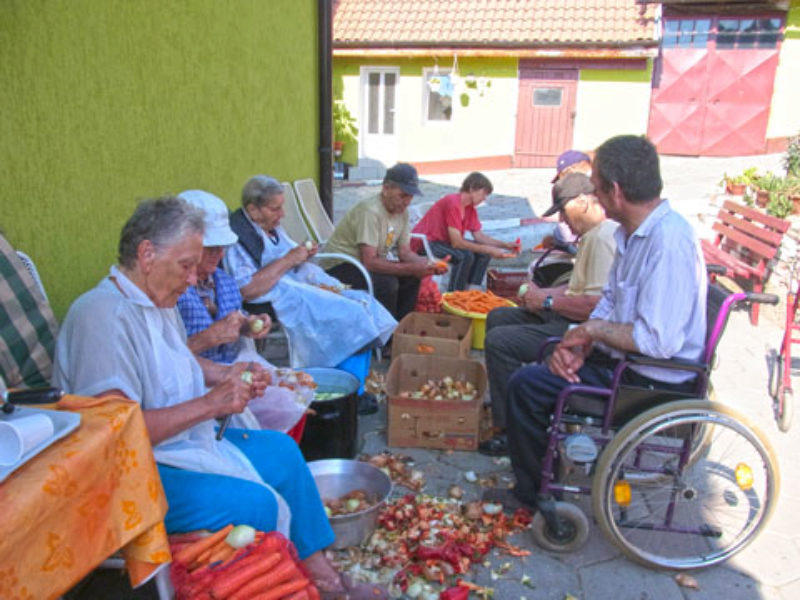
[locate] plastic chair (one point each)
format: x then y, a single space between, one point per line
319 223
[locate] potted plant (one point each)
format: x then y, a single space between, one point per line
791 160
344 127
737 185
767 186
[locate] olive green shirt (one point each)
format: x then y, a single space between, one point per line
369 223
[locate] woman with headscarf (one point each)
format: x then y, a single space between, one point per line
125 337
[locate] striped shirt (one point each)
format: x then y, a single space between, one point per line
28 327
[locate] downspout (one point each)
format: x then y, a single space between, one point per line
325 39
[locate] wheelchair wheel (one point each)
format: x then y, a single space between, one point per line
575 529
690 514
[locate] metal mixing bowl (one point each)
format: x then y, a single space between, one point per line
337 477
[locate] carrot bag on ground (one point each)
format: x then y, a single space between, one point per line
203 568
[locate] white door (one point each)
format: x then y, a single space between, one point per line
378 144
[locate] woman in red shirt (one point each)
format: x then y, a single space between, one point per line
445 224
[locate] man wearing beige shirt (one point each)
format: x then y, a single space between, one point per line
514 335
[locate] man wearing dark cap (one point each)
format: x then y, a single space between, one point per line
376 232
513 335
571 161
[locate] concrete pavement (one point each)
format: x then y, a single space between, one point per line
764 570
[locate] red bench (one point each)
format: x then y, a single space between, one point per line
746 244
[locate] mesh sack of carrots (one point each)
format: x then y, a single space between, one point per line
238 564
429 298
475 301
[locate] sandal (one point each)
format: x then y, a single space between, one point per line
352 590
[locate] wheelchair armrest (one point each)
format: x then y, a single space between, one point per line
353 261
551 341
678 364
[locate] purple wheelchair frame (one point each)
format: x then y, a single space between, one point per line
702 368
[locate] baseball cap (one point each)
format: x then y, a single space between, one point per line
405 176
572 186
217 228
567 159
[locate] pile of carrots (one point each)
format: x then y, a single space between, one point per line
210 569
475 301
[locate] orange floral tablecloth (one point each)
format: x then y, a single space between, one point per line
88 495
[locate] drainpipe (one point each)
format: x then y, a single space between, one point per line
325 43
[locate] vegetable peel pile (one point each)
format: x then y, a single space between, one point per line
431 542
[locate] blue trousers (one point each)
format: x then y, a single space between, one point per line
209 501
466 267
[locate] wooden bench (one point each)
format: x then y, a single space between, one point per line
746 244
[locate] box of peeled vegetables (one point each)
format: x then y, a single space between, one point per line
435 401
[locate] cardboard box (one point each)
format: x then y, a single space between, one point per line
438 334
453 425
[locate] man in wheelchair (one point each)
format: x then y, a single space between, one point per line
654 304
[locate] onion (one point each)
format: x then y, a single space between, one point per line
523 289
240 536
257 326
247 377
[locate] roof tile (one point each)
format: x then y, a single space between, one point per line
491 22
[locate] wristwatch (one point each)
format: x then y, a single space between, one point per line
548 303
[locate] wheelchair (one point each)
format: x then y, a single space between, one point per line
677 480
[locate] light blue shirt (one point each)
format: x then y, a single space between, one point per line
658 283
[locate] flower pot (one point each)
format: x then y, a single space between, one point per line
795 204
337 148
735 189
762 198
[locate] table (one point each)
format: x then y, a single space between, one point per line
88 495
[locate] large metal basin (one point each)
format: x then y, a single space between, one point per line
337 477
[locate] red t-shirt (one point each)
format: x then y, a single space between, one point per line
447 212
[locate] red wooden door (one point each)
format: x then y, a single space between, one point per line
712 86
545 113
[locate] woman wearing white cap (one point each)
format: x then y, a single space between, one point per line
220 331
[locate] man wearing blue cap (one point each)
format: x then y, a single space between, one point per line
376 232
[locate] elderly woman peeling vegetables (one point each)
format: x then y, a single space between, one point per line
326 322
125 337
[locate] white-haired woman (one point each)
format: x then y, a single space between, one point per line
326 327
125 337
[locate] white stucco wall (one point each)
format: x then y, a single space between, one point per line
784 116
605 108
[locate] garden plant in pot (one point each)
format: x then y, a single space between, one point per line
344 127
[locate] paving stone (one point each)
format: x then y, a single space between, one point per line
621 578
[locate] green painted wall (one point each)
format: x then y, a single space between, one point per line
108 101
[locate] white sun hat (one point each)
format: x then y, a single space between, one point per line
218 231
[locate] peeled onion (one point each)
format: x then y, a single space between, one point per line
257 326
240 536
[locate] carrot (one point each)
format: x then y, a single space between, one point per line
192 552
282 590
301 595
268 581
313 592
239 574
222 554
